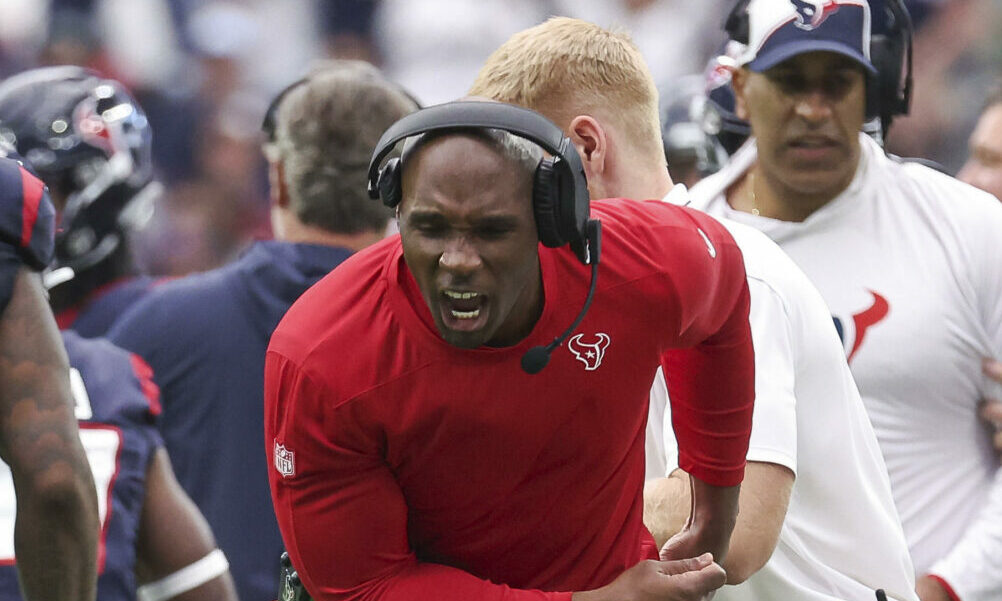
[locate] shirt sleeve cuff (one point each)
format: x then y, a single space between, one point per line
714 476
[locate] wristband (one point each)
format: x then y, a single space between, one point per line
187 578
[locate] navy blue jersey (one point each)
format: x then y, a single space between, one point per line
117 408
27 220
95 315
205 337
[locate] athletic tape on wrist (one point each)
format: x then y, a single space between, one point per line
187 578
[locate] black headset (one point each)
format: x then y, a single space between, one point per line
889 93
559 192
891 55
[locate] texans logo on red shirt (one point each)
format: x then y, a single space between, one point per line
812 13
861 322
589 353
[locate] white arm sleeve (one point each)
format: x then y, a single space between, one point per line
774 422
973 568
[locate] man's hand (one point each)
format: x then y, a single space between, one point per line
991 409
681 580
929 589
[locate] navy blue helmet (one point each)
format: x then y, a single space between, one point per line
88 139
688 144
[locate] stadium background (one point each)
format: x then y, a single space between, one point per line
204 70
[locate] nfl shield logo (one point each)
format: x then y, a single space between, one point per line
285 461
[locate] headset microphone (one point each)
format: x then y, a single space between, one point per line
536 358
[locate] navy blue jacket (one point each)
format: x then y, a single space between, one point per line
205 337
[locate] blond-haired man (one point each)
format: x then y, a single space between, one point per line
815 483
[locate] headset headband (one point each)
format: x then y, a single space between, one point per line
466 114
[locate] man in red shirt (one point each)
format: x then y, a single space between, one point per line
414 458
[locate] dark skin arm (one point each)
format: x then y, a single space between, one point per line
55 535
173 534
711 520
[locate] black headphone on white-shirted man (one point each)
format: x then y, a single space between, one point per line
560 198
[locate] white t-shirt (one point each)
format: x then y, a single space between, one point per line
841 538
910 263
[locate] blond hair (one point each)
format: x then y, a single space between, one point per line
567 67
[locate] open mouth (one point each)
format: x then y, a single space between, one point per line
463 310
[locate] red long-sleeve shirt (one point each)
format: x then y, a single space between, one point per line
406 468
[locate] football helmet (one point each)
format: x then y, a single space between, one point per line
90 142
687 143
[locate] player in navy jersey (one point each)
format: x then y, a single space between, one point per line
205 336
89 141
150 531
148 526
56 527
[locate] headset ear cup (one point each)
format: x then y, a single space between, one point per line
545 203
388 183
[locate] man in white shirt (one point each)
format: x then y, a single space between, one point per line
814 458
907 260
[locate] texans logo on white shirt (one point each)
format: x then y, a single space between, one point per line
852 331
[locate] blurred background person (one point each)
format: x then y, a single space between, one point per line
89 141
983 168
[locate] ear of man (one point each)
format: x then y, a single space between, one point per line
278 190
739 81
592 144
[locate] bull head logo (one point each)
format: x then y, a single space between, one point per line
589 353
812 13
